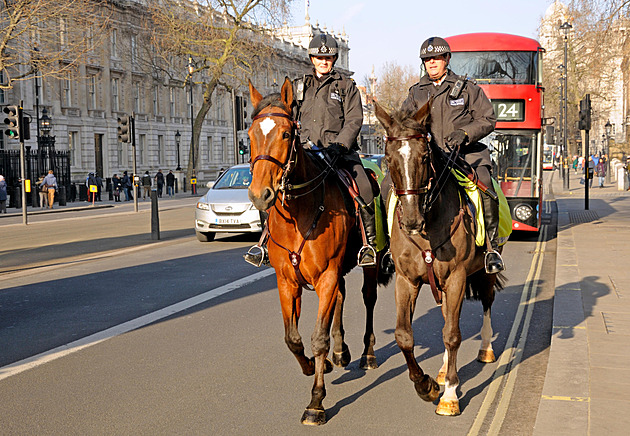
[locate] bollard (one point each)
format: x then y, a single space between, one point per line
155 217
61 196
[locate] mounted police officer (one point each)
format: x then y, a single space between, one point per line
330 114
461 115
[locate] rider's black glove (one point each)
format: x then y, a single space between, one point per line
335 149
457 138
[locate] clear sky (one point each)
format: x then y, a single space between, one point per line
391 31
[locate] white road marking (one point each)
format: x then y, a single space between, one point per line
267 126
88 341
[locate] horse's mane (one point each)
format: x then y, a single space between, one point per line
274 99
406 120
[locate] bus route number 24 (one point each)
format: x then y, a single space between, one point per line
509 110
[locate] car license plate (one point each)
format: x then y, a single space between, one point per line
228 221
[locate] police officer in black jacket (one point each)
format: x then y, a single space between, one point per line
461 115
330 114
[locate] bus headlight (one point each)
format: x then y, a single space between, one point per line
523 212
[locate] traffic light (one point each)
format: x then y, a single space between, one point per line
242 148
240 106
550 135
244 113
585 113
13 121
26 128
124 128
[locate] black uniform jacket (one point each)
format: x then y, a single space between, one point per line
331 111
471 111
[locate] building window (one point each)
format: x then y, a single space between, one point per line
91 92
209 142
115 96
137 98
142 148
134 50
156 100
161 155
224 151
66 93
120 154
114 43
171 100
63 32
73 140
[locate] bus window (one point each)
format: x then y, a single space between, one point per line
496 67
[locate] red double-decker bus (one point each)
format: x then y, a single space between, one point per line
509 69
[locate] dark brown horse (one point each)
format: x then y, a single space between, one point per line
311 238
433 240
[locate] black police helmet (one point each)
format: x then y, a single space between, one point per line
323 45
434 46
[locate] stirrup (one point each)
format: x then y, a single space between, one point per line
257 256
493 262
363 258
387 263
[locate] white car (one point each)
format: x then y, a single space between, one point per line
226 207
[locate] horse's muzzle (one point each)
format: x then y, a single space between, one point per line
264 200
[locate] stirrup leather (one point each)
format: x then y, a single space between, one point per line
493 262
257 256
365 251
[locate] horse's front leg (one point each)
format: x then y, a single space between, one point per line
341 352
451 334
368 360
327 290
406 295
291 304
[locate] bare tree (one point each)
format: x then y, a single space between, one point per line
227 40
48 38
393 84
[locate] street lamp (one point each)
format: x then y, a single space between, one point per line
565 28
177 138
191 68
608 129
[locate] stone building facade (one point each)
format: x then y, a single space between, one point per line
111 83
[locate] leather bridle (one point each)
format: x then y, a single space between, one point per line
427 187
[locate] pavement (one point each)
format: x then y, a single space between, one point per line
588 374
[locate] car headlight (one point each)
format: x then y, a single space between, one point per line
203 206
523 212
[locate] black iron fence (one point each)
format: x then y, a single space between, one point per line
37 163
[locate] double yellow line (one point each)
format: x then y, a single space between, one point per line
512 356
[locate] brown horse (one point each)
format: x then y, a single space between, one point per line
434 226
312 240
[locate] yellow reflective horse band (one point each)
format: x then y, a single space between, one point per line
473 194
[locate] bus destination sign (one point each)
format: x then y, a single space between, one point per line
509 110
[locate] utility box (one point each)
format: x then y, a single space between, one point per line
622 179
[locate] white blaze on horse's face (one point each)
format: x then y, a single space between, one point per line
267 126
405 152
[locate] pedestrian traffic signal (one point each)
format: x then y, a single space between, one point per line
13 121
585 113
124 128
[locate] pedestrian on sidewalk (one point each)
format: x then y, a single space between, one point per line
3 195
43 191
51 184
600 171
170 183
116 187
575 164
126 185
589 169
91 181
159 181
146 185
99 186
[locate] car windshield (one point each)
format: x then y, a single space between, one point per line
234 178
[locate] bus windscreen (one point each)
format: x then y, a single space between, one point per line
496 67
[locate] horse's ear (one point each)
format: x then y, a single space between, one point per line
254 94
382 116
423 116
287 92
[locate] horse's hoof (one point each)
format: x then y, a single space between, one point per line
328 366
342 358
441 378
486 356
434 390
448 408
314 417
368 362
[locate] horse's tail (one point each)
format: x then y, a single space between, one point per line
477 284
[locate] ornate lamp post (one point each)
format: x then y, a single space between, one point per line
46 141
608 128
565 28
177 139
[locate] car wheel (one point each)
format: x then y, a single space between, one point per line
205 236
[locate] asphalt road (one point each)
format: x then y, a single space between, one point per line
180 337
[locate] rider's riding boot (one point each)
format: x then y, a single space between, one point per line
387 261
493 260
367 254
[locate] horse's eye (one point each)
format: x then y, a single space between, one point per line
286 135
